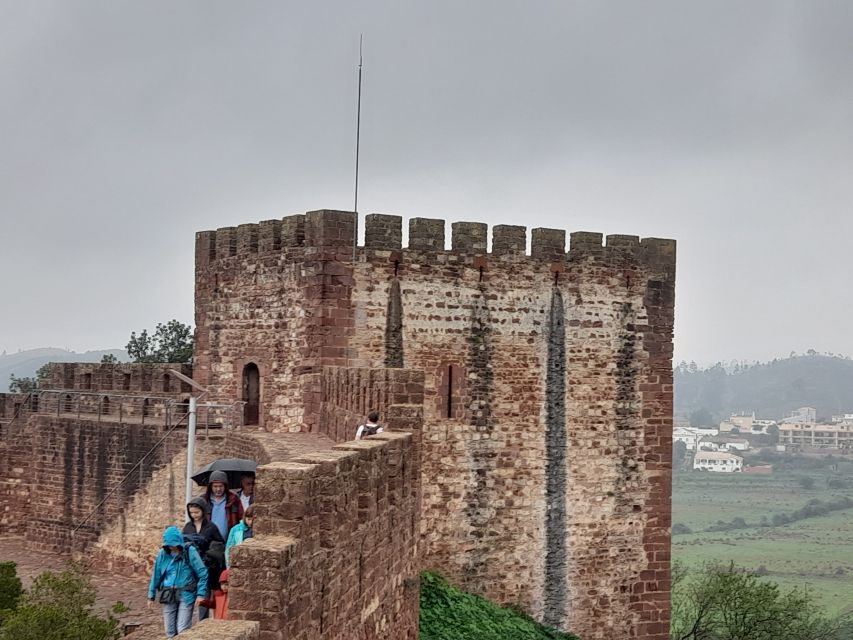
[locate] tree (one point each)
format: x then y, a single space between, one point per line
679 454
59 606
29 384
701 418
109 358
171 342
724 602
806 482
22 385
773 432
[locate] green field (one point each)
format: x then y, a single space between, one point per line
816 552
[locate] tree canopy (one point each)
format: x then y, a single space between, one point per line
170 342
27 384
723 602
58 606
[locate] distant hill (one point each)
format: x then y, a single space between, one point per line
24 364
772 390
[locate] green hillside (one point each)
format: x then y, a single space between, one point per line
772 389
450 614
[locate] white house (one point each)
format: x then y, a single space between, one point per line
691 436
718 461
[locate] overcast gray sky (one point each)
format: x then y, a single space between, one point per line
127 126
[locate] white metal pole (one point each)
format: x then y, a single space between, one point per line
190 449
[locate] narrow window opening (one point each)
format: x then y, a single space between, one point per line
396 267
450 391
251 394
556 278
481 274
166 381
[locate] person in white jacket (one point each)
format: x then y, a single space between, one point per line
370 427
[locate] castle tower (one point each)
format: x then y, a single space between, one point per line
546 444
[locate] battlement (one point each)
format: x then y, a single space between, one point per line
334 230
339 529
131 378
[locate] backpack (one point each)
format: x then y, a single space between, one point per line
370 430
212 553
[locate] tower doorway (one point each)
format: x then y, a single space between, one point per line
251 394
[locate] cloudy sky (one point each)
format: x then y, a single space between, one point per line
127 126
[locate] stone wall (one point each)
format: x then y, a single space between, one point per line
11 405
547 390
335 554
250 293
120 378
347 394
58 470
128 544
548 411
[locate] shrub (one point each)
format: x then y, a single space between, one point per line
58 607
450 614
10 586
806 482
837 483
680 529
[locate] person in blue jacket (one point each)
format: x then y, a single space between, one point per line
180 578
243 531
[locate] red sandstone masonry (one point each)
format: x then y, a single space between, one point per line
122 378
349 394
63 468
476 324
336 545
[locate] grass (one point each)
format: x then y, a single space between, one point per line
815 553
450 614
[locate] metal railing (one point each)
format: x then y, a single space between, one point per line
123 408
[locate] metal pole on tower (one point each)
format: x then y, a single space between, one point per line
357 143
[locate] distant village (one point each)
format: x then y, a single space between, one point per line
716 449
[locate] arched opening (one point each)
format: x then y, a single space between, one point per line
251 394
34 403
146 408
167 381
67 404
105 406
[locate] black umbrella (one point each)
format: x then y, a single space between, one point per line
234 467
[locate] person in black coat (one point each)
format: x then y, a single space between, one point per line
205 535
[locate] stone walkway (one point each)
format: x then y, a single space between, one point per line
111 588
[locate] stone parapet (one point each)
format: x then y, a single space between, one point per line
335 551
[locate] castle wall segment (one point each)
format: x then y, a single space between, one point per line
335 555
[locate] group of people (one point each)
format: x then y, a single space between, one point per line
192 567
